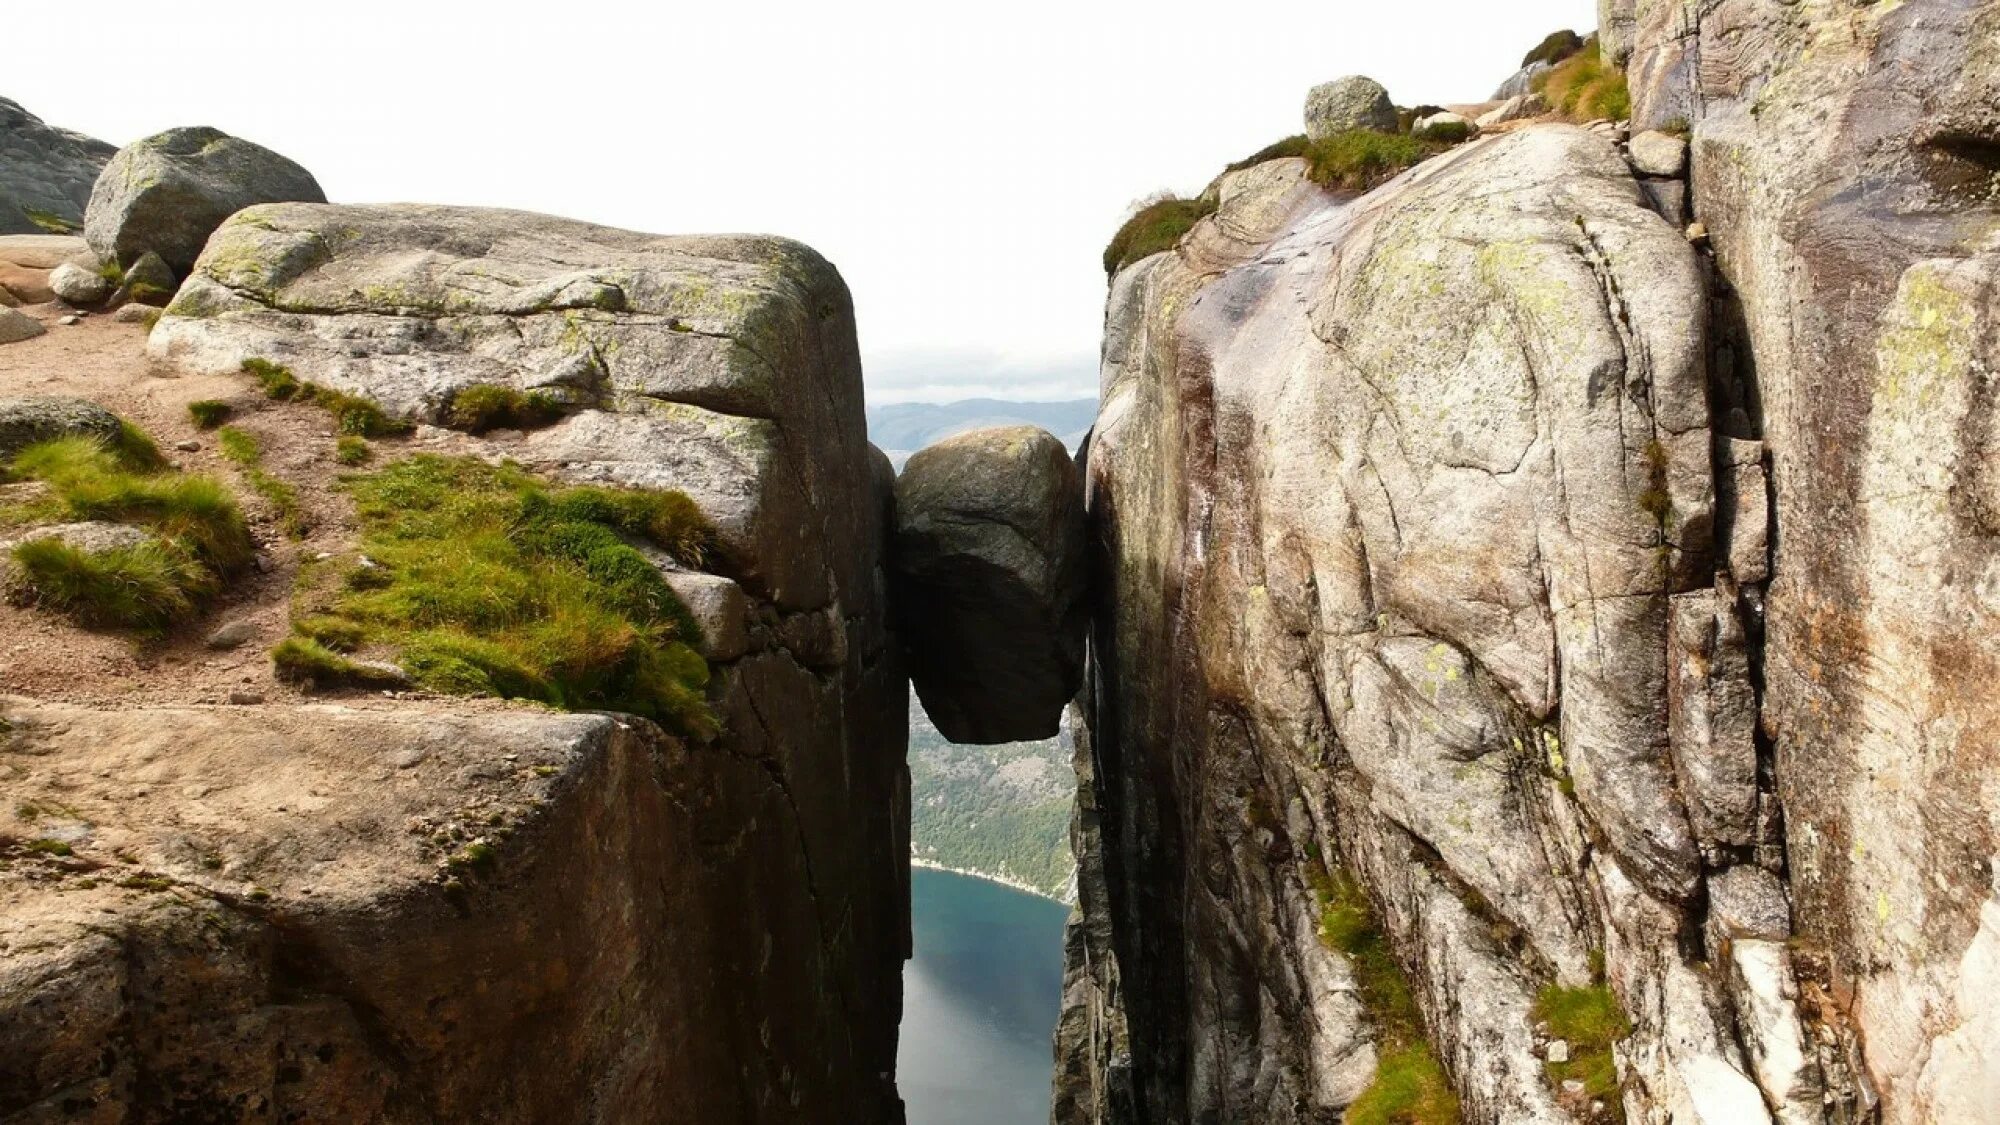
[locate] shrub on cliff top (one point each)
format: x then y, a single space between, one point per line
1558 46
483 580
1584 87
1360 159
1156 226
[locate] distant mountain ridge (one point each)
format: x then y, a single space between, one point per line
900 429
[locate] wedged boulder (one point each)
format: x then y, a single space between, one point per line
989 584
168 192
45 173
27 421
1394 495
1353 102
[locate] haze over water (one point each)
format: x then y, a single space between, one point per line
980 1001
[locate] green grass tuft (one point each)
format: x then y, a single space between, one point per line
1360 159
1558 46
1445 133
352 449
201 534
208 413
1590 1019
1157 226
487 581
356 416
485 406
1410 1085
146 587
242 448
50 847
1295 145
304 660
1583 87
275 379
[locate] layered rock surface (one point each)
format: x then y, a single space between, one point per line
1403 503
664 930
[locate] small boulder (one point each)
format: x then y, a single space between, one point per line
234 633
26 421
136 314
148 281
1452 125
1354 102
1654 153
16 326
1522 81
168 193
79 284
988 581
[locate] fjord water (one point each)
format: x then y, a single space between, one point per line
980 1001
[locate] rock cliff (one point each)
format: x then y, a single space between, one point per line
1492 577
407 906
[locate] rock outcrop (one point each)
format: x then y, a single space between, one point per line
45 173
1615 613
431 910
1844 167
988 581
168 192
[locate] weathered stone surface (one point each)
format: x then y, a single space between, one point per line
1513 108
1843 167
375 915
1393 497
166 193
1353 102
40 251
16 326
25 421
1654 153
1712 719
89 537
79 284
1521 84
733 916
45 173
989 582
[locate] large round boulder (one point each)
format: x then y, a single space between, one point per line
168 193
1353 102
989 582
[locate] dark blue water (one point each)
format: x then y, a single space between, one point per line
979 1002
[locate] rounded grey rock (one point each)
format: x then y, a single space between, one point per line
26 421
16 326
168 193
1353 102
78 284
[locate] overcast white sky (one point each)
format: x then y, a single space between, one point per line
962 164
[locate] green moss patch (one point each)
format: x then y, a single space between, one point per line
485 580
484 407
49 221
1591 1021
199 535
208 413
1157 226
352 449
1295 145
1410 1085
1360 159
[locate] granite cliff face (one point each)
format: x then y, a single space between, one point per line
1610 612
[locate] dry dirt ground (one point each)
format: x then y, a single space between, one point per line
45 656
